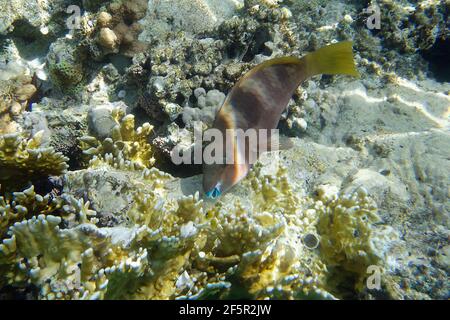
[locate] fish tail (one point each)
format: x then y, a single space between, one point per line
333 59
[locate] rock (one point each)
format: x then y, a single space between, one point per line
35 122
34 13
101 122
197 16
214 98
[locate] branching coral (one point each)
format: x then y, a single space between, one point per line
76 263
181 65
174 246
214 61
349 231
127 148
23 205
23 160
121 229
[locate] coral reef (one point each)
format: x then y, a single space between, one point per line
119 27
169 245
23 160
346 225
66 66
183 66
33 14
198 16
127 148
17 89
364 185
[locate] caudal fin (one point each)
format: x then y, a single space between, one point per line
333 59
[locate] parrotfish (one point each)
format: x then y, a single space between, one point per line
257 101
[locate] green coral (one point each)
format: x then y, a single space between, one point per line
65 62
67 76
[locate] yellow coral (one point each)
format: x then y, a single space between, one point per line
119 27
173 246
348 226
14 94
126 149
23 205
76 263
23 160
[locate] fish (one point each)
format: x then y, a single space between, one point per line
257 101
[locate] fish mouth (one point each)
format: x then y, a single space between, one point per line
215 192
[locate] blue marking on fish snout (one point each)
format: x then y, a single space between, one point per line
214 193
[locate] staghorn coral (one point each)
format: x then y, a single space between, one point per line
23 205
127 148
76 263
270 260
23 160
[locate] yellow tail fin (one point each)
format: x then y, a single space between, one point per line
333 59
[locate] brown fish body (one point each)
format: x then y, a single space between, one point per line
257 102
